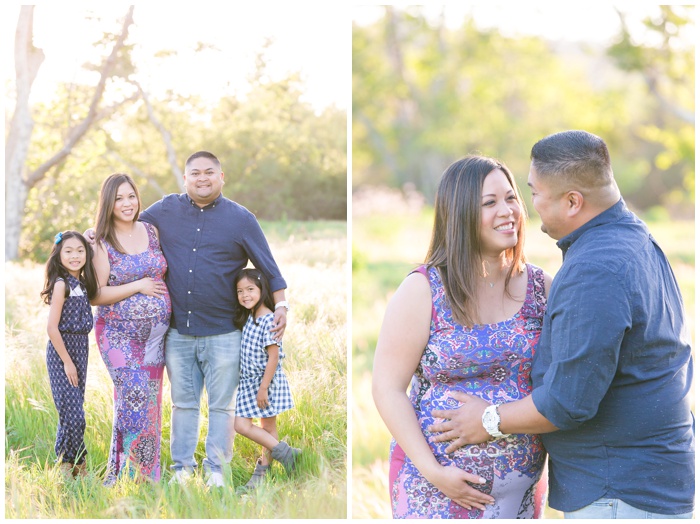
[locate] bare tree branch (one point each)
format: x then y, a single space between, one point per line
167 139
79 131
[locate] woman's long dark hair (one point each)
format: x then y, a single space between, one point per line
455 246
104 229
257 277
55 270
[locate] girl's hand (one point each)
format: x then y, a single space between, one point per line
153 288
452 481
263 402
71 373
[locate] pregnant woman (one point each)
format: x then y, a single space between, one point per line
131 322
468 320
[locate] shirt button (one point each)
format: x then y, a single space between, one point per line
189 312
190 271
189 292
194 249
198 229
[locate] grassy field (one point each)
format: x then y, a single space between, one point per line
387 246
312 257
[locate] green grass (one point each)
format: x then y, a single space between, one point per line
385 247
312 257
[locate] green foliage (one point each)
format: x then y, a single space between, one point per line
667 69
425 94
314 267
284 160
281 158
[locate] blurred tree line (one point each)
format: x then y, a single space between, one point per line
282 159
425 95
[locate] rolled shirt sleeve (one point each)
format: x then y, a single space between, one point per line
590 316
613 371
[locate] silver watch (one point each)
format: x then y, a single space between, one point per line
491 421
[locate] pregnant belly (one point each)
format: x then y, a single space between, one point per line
138 307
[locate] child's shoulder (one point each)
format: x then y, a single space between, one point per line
263 312
265 318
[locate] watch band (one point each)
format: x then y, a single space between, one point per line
491 421
283 304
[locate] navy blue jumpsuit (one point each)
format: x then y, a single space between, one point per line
75 324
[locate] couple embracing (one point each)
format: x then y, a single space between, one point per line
508 366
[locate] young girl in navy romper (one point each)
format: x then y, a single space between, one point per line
263 391
70 284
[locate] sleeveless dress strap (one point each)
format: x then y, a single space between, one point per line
423 270
536 301
152 237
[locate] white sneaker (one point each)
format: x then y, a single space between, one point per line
181 476
215 479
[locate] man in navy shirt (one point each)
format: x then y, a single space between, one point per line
612 371
207 239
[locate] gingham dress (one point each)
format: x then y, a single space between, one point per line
256 337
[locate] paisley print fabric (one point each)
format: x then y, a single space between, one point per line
130 336
492 362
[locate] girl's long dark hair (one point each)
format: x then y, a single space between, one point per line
257 277
55 270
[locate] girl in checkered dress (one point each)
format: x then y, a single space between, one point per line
69 286
263 391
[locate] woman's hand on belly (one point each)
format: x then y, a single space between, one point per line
152 288
453 482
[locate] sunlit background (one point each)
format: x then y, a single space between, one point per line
204 48
432 84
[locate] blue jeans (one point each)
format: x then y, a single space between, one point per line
194 363
606 508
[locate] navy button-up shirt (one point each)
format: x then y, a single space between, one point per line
613 372
205 248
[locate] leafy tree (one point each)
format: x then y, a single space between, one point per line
20 175
667 69
425 95
282 159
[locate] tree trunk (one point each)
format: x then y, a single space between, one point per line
28 59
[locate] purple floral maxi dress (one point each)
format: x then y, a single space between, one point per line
492 362
130 335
